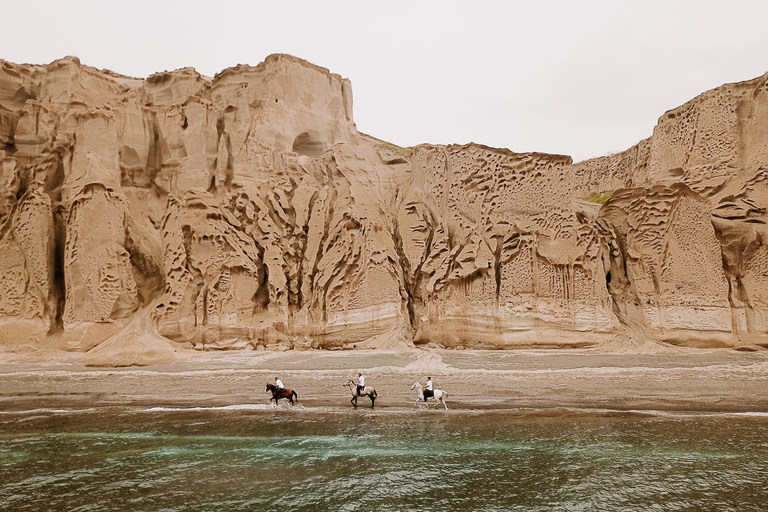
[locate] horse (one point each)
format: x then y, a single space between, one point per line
367 391
286 393
438 394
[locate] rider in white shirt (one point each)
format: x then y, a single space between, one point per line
279 384
360 384
428 389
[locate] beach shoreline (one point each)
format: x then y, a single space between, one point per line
475 380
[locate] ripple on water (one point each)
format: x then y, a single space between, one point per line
403 462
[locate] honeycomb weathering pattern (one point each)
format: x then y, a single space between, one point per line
246 211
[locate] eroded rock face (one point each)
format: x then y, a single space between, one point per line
504 257
666 274
716 148
245 210
27 261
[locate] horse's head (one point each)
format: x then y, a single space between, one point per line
347 383
415 384
269 387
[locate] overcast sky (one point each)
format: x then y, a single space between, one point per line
581 78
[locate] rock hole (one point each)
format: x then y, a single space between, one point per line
677 172
308 144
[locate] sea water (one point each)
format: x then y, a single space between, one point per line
258 458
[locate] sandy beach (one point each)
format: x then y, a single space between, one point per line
709 380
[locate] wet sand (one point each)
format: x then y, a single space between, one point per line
695 380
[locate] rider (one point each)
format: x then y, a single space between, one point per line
279 384
428 389
360 384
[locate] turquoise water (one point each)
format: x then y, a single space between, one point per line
302 459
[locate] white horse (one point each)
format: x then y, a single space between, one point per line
367 391
439 396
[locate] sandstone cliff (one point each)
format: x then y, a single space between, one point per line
687 222
246 211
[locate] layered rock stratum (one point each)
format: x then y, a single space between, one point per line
247 211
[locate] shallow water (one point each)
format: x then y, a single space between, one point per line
262 458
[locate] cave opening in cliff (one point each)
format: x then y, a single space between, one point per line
307 144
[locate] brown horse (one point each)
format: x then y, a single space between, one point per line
286 393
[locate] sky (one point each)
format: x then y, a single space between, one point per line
580 78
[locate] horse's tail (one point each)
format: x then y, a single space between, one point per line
375 395
296 396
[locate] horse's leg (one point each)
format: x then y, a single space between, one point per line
373 400
442 399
